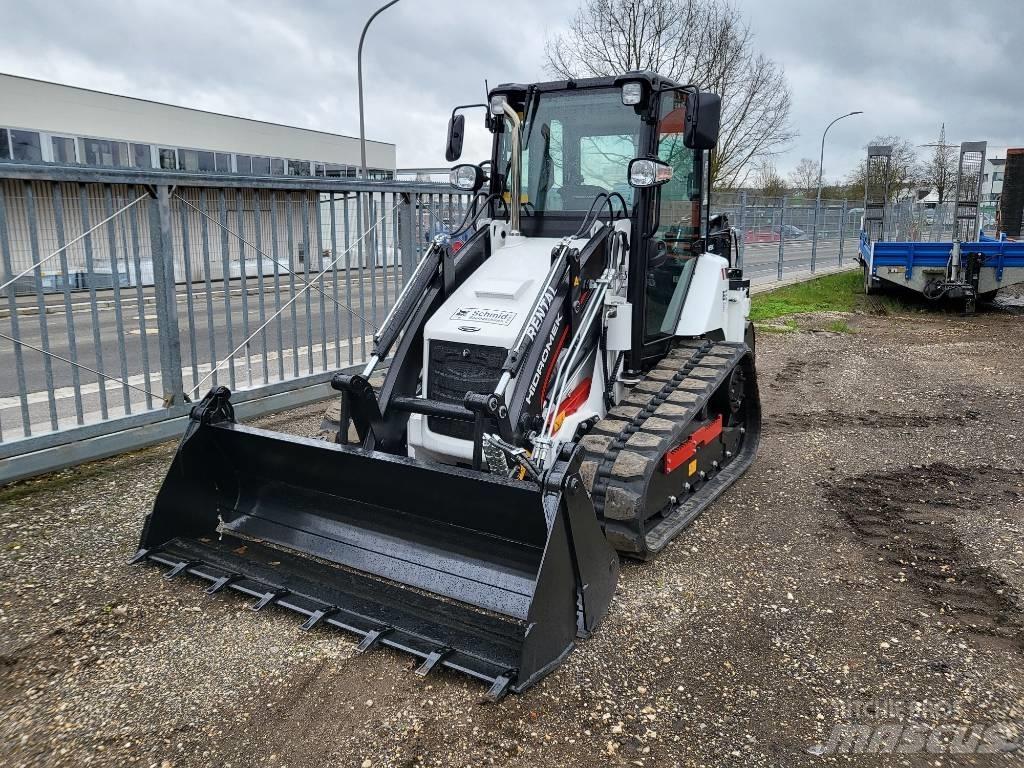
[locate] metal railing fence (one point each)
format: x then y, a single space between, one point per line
126 293
778 234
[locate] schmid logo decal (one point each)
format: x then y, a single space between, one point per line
481 315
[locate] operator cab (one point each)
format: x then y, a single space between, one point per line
579 140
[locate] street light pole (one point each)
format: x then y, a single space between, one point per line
817 202
363 199
359 68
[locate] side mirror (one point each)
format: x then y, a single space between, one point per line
703 120
468 178
646 172
456 131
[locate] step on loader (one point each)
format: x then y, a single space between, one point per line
568 377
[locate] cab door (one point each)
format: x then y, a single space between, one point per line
671 257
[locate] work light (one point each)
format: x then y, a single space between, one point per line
498 101
632 93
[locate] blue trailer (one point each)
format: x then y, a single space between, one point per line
953 270
968 266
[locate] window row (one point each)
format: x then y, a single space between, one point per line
32 147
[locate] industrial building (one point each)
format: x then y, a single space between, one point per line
52 123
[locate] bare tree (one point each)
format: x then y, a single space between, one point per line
904 171
767 180
706 43
804 178
938 171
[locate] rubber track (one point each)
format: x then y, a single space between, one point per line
623 451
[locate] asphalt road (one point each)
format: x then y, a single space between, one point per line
313 334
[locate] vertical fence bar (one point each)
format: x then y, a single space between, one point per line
57 198
204 232
814 234
243 279
371 243
742 248
782 237
189 304
115 282
407 212
304 210
140 300
842 233
360 254
90 278
383 251
275 254
164 294
261 259
291 283
12 307
333 217
44 330
348 285
395 248
225 257
318 221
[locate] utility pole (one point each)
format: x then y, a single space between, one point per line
940 163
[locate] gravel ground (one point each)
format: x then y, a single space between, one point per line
873 554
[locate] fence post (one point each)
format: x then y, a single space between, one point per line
814 235
782 235
406 218
742 227
164 296
842 233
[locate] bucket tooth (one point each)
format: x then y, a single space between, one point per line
371 639
499 687
268 598
222 582
317 616
141 556
180 567
431 661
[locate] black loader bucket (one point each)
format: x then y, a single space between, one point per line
492 577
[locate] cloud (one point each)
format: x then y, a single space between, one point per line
908 66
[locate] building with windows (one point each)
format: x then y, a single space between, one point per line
52 123
992 178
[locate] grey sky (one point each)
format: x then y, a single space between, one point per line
909 66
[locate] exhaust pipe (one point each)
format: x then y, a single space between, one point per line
517 167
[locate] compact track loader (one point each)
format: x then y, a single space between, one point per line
571 379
